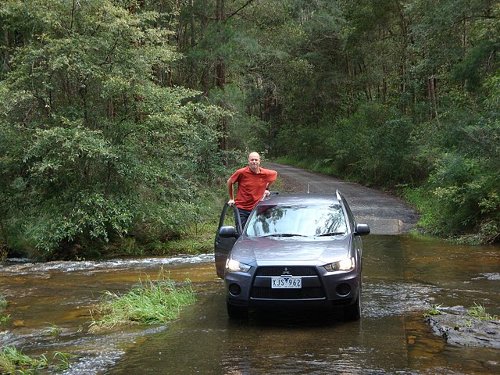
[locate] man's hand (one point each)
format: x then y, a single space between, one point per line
230 202
266 194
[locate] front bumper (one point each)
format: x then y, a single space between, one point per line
319 288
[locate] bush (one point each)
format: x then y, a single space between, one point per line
373 147
460 199
94 146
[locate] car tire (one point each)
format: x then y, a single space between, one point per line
353 312
237 312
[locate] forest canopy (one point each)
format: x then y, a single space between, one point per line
118 116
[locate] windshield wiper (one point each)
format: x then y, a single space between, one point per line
284 235
331 234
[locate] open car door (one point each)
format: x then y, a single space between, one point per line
228 232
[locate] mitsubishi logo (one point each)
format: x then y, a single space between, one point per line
286 272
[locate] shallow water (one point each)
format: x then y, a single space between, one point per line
403 277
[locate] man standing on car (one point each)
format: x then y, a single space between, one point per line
253 184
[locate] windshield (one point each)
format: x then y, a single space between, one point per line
289 221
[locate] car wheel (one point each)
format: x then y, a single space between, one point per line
237 312
353 312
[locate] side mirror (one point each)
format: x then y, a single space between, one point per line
362 229
228 231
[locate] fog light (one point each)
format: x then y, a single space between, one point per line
234 289
343 289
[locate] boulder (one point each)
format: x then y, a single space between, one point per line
458 327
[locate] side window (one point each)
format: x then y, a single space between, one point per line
228 217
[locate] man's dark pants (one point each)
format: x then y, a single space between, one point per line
243 216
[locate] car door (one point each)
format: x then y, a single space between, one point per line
228 232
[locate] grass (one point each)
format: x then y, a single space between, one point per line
63 360
4 318
433 311
150 302
53 330
13 361
479 312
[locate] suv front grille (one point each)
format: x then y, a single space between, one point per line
292 270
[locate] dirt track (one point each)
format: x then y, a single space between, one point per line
384 213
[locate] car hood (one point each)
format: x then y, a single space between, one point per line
280 250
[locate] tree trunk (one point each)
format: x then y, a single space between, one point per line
220 68
432 94
220 75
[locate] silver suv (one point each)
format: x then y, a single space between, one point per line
295 251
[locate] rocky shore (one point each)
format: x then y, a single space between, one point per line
458 327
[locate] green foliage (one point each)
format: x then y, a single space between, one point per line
244 131
411 100
364 146
151 302
62 360
457 188
471 69
479 312
460 197
193 233
102 144
433 311
53 330
460 200
4 318
13 361
94 146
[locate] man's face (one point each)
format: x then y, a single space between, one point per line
254 162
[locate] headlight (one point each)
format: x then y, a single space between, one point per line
233 265
344 265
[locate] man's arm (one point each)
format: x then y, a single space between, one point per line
230 191
274 175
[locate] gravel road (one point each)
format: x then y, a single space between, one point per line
384 213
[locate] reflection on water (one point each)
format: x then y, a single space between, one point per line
403 277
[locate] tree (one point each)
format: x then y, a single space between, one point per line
94 146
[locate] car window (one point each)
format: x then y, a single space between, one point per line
296 220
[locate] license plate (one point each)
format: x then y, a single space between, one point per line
286 282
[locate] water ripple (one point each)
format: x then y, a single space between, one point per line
388 299
22 267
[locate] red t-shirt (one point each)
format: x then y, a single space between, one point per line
251 186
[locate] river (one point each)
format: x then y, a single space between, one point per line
50 303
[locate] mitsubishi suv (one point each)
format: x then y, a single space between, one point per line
296 250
